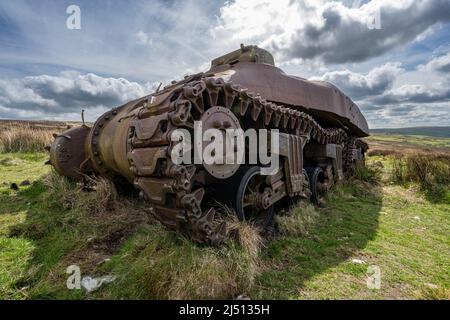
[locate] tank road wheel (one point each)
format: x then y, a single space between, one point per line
249 202
316 179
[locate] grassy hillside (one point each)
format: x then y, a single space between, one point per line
381 144
384 217
440 132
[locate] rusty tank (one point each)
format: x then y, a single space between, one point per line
319 132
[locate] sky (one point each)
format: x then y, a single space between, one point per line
391 57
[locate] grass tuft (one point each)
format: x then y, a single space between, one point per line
299 221
369 173
434 294
430 171
246 235
157 264
24 138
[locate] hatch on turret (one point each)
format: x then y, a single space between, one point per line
245 54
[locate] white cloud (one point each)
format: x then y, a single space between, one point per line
441 64
358 86
66 94
416 93
388 102
395 116
161 41
328 30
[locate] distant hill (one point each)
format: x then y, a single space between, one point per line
442 132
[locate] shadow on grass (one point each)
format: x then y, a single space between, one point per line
347 223
61 236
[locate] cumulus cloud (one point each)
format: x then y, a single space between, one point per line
440 64
386 101
66 93
359 86
329 30
423 91
393 116
160 41
415 93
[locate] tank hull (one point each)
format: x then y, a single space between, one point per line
317 128
321 99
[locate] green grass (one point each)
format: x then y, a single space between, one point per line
390 227
52 224
17 167
49 225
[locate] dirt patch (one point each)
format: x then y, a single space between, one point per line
410 195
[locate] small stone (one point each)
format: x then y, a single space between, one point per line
358 261
103 261
417 218
243 297
25 183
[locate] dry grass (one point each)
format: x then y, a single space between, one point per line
382 152
299 221
423 161
29 136
151 261
101 198
24 138
158 264
391 145
433 293
246 235
107 217
242 232
429 170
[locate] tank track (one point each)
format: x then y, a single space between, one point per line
351 144
176 191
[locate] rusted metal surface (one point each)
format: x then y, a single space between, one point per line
319 98
67 153
243 90
222 119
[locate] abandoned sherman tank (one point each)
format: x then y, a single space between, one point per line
319 130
